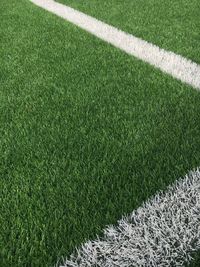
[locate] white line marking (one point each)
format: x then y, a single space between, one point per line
165 231
175 65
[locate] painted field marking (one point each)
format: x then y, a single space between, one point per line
164 231
169 62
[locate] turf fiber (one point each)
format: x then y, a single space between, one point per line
86 134
173 24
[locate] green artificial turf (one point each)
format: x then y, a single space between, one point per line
86 134
171 24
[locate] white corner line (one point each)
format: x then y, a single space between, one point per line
179 67
164 231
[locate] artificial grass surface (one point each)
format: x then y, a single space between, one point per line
86 134
171 24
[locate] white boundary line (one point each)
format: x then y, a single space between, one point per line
165 231
175 65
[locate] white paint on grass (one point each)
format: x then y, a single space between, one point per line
165 231
175 65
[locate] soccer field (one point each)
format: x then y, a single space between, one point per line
87 132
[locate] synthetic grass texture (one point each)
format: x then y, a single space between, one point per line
164 231
173 24
87 134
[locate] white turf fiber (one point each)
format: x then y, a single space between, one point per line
175 65
163 232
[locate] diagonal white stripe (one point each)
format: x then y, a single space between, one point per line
175 65
163 232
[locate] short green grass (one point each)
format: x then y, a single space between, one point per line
171 24
86 134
